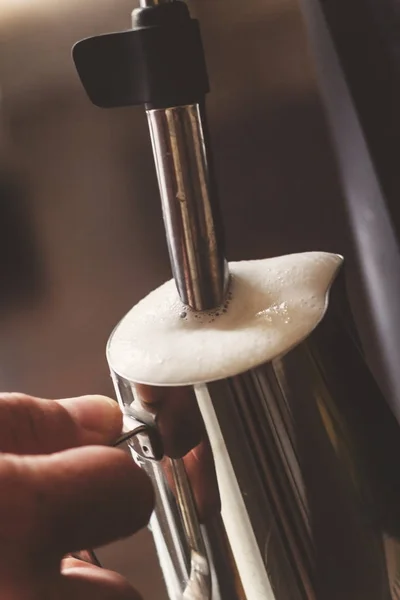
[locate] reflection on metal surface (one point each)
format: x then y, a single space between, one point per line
199 584
306 487
373 227
145 3
87 556
193 552
392 550
188 195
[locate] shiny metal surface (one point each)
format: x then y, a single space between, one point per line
307 486
374 232
145 3
190 210
193 553
87 556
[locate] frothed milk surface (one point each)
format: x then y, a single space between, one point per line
272 305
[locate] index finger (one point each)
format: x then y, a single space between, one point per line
31 425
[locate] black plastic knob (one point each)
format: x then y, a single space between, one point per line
158 63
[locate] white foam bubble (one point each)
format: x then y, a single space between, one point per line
272 305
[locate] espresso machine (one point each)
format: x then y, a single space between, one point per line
294 493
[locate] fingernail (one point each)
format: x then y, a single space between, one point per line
96 413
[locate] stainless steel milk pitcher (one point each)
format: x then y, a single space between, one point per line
279 483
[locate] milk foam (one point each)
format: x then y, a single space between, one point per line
272 305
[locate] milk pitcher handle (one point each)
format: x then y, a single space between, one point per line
175 523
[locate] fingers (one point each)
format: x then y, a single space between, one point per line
34 426
83 582
92 497
80 498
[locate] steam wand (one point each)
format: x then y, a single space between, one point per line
160 64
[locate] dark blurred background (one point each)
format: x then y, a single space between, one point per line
81 236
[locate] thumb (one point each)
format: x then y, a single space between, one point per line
34 426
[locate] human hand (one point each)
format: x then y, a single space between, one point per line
62 490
